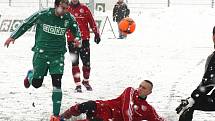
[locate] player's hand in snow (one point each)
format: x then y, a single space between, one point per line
8 41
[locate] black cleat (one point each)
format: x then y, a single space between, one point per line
78 89
185 105
87 85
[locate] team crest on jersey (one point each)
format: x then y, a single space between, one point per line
81 10
66 23
144 108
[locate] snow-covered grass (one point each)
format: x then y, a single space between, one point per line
169 47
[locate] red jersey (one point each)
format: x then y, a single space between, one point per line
84 18
127 107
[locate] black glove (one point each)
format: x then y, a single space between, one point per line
97 38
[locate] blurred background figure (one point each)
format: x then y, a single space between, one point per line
120 11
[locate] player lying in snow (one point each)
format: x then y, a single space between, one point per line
131 105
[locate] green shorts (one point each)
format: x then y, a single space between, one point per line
43 62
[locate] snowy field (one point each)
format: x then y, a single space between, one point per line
169 47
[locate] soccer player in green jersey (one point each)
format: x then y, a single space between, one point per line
50 47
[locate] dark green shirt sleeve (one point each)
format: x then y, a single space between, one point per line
27 24
74 28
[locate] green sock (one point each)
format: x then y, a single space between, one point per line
56 99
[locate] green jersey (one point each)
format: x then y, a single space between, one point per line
50 30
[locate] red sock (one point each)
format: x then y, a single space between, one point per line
86 72
76 74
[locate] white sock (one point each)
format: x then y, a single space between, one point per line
78 83
86 80
191 102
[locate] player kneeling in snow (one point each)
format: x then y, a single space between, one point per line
200 99
131 105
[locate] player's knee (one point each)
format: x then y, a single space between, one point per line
36 83
86 64
56 80
86 61
87 106
75 63
75 60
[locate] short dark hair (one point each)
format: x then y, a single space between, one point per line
149 82
58 2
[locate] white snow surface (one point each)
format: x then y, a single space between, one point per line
168 47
